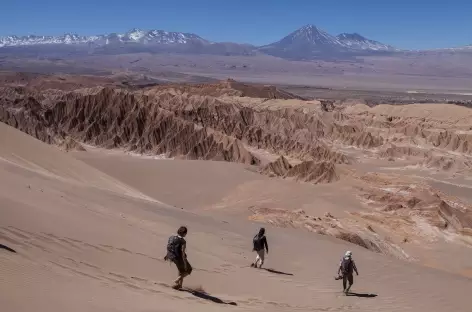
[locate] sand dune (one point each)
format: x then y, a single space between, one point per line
90 249
22 151
90 196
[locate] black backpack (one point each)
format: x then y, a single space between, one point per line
257 242
173 247
346 266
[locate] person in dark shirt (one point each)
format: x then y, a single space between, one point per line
260 242
176 248
347 267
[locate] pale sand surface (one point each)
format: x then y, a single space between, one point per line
232 190
90 240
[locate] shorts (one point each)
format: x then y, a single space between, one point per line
348 278
260 255
180 264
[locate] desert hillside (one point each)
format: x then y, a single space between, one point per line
95 176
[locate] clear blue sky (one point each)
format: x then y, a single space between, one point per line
414 24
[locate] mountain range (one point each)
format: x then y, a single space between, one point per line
307 43
311 42
135 35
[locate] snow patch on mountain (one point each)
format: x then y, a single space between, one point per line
34 40
134 36
358 42
313 34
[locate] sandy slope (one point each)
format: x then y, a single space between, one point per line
35 156
335 209
87 247
389 179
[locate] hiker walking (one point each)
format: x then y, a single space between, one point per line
347 266
259 243
176 247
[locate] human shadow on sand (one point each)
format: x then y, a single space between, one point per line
360 295
203 295
278 272
7 248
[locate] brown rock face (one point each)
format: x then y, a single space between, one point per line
316 172
278 168
111 118
180 121
404 202
27 115
307 171
230 87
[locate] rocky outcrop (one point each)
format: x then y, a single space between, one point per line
458 141
208 122
281 131
178 124
115 118
447 163
395 151
278 168
315 172
406 202
28 115
307 171
229 87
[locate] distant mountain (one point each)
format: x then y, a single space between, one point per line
311 42
132 36
467 48
357 42
307 43
133 41
11 41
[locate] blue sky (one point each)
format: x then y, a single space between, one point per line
414 24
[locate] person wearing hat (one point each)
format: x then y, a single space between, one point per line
347 267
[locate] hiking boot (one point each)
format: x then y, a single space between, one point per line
177 286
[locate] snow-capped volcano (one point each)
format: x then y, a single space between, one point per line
305 43
134 35
311 42
312 35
